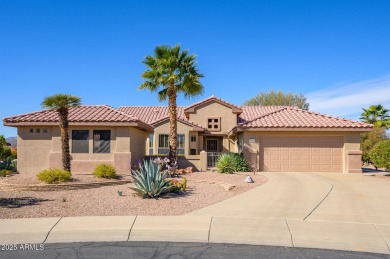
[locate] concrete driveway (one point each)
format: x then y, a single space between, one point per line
312 196
337 211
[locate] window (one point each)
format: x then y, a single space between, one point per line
31 131
213 124
193 138
151 136
44 130
38 131
180 144
80 143
163 144
101 141
192 151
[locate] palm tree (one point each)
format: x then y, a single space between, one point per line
172 71
61 104
377 115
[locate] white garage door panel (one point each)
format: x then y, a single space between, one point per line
301 154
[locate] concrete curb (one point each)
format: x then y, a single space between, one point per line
205 229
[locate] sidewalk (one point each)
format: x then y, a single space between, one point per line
257 231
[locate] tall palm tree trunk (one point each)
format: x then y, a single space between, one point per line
63 112
172 123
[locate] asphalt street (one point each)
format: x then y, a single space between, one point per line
175 250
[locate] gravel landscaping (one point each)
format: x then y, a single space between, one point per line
204 189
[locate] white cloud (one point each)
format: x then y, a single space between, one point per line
347 100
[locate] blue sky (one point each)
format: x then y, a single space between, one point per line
335 52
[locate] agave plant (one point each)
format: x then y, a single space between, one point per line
149 182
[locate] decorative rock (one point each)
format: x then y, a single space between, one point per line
249 179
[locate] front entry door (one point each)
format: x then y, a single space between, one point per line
212 145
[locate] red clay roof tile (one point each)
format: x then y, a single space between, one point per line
84 113
293 117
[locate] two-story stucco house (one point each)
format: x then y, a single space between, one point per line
272 138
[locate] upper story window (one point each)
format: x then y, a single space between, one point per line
193 138
214 124
80 143
101 141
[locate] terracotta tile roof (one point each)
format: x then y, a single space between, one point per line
84 113
253 112
209 99
293 117
150 114
155 114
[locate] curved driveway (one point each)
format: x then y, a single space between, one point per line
313 197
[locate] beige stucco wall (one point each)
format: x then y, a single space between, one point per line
33 149
214 109
138 138
39 151
251 150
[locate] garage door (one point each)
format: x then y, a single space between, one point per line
301 154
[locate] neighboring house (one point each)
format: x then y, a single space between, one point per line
272 138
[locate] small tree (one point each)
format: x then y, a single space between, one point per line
279 98
61 104
380 155
369 140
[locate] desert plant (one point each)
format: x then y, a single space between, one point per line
229 163
179 186
240 163
380 155
105 171
149 182
8 164
226 164
4 173
54 176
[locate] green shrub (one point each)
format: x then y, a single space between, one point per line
54 176
229 163
149 182
240 163
4 173
8 164
105 171
226 164
380 155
